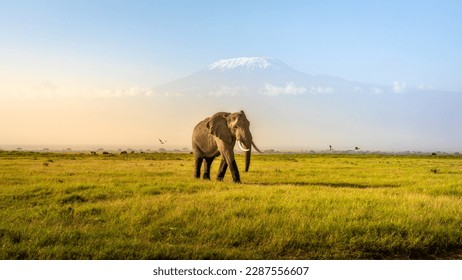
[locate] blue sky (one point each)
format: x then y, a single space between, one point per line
112 48
146 43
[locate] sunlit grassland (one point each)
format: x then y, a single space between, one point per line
148 206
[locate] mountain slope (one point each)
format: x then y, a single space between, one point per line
258 75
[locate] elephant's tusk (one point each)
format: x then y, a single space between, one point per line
258 150
242 148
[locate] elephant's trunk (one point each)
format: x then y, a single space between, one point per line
248 150
247 160
246 147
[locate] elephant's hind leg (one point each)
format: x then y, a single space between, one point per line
197 170
208 165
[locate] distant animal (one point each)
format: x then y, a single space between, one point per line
123 153
217 135
162 142
330 147
357 148
93 152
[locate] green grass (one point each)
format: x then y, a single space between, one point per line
148 206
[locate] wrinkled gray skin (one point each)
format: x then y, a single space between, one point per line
217 135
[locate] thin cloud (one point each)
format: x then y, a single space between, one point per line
425 87
322 90
119 92
399 87
46 86
229 91
47 90
289 89
376 90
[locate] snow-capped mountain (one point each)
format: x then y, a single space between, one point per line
245 63
258 76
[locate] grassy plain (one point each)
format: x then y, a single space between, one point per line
148 206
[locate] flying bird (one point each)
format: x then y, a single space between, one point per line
356 148
162 142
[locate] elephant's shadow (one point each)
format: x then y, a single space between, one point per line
326 184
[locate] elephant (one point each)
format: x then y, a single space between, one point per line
217 135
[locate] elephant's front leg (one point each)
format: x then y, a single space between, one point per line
231 162
222 170
234 171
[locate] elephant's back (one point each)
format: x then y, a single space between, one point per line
201 128
202 140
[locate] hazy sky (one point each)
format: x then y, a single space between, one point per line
58 59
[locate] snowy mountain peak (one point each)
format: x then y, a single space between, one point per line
243 64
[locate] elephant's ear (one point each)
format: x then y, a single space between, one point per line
218 126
